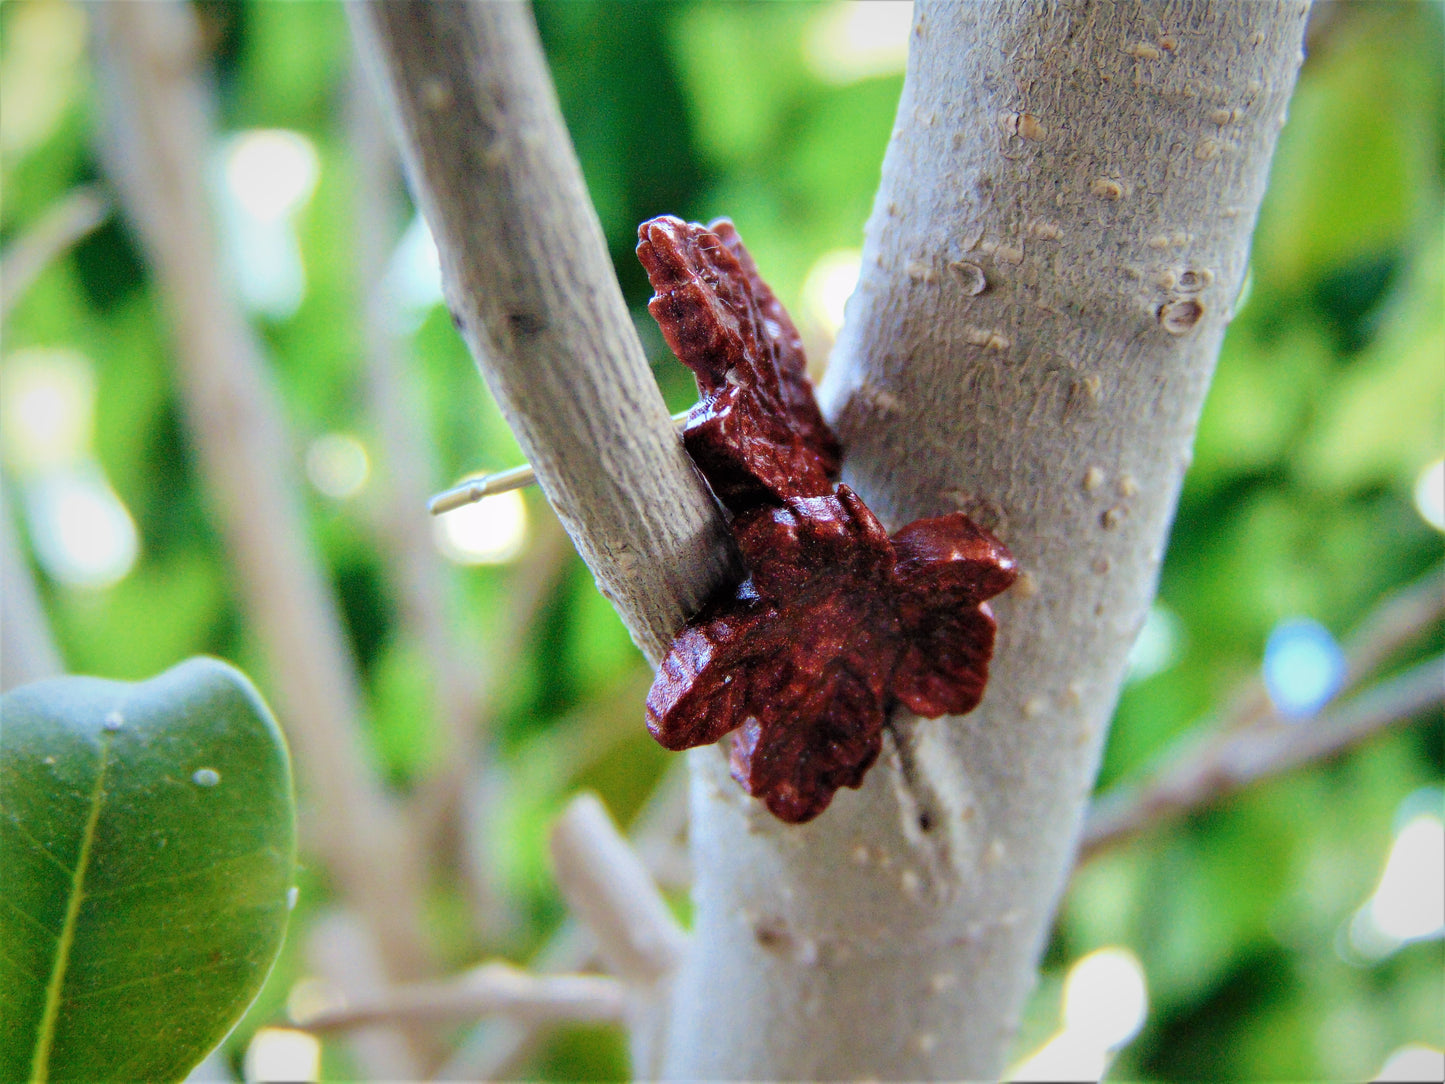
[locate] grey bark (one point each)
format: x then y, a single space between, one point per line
530 286
1061 229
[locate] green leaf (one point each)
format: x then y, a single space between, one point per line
147 838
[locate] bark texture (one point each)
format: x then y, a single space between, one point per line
531 288
1061 230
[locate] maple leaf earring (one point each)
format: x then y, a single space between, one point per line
836 623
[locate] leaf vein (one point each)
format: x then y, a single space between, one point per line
40 1064
159 976
18 966
42 927
177 878
42 848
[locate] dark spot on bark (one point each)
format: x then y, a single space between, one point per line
526 324
925 821
771 934
458 321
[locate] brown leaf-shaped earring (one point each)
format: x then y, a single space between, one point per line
837 622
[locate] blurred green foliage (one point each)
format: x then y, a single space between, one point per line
1326 408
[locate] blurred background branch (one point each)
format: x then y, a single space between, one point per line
62 226
492 166
155 146
27 649
493 989
1257 740
1198 778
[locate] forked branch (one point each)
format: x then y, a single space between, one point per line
529 283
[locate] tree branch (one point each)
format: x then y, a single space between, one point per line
461 672
1394 622
155 144
58 229
610 891
27 649
340 948
1253 742
497 1049
532 290
1260 753
494 989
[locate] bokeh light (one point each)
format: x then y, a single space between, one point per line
282 1054
44 45
490 532
1412 1063
271 172
413 277
1106 1001
47 409
859 40
1430 494
828 286
1158 645
1408 903
337 465
1303 667
269 175
1105 997
82 533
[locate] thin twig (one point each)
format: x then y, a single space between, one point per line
494 989
497 1049
1252 724
610 891
1395 621
483 486
27 649
58 229
341 950
1247 757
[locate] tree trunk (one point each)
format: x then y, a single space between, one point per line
1061 230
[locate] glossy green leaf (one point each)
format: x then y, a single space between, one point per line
147 839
